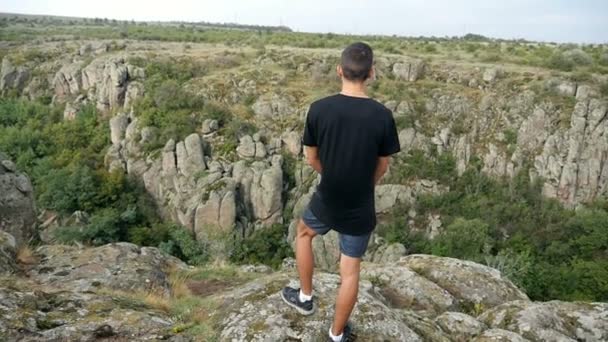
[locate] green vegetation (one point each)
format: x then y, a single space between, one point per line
551 251
265 246
65 161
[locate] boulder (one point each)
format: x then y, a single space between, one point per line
499 335
118 128
293 142
470 283
17 208
551 321
119 266
210 126
31 314
409 69
460 326
190 155
12 77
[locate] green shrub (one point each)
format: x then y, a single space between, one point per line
184 246
464 239
266 246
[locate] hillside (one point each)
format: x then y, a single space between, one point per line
185 139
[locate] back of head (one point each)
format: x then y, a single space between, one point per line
357 61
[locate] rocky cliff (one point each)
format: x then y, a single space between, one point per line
124 292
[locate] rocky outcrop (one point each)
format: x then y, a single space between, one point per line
119 266
274 106
574 164
110 82
12 77
429 308
551 321
193 189
107 80
409 70
17 208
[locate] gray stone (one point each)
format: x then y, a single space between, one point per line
17 208
121 266
118 128
551 321
409 69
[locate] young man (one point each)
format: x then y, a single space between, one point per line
348 139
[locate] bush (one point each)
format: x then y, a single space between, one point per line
266 246
182 244
464 239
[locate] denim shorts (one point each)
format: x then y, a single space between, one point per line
353 246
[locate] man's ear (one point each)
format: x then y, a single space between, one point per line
372 74
339 71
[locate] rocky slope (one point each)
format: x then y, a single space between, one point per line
85 294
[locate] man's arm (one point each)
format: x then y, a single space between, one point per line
381 168
312 157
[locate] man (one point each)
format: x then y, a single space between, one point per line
348 139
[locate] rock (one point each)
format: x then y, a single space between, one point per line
274 105
551 321
246 148
68 80
12 77
17 208
70 111
261 190
210 126
469 282
190 156
389 253
218 212
421 294
561 87
107 81
460 327
255 312
571 162
120 266
135 91
29 314
293 142
409 70
118 128
84 49
8 253
490 75
499 335
388 196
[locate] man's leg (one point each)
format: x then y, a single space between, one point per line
304 256
347 294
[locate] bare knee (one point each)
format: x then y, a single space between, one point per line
304 232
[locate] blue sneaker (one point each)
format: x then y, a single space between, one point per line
291 296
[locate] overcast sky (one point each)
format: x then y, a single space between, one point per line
546 20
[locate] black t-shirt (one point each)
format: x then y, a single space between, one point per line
350 134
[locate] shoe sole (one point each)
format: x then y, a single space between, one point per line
299 309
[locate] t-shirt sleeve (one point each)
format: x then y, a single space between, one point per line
310 135
390 141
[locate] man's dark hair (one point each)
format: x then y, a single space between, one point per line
357 61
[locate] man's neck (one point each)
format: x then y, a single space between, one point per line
354 89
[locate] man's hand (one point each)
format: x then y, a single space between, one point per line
381 168
312 157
